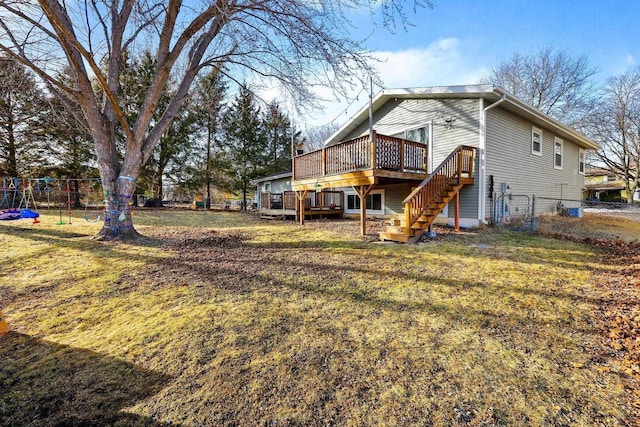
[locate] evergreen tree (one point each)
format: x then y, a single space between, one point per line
245 142
22 103
278 132
69 147
208 105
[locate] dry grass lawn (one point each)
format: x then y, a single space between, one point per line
223 319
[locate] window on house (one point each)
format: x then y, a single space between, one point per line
375 202
267 186
536 141
581 161
557 153
420 134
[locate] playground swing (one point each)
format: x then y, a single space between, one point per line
46 189
60 203
5 194
27 197
86 205
14 213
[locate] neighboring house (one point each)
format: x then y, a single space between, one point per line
448 151
605 186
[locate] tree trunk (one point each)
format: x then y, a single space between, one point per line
160 194
208 169
76 196
12 168
118 223
244 199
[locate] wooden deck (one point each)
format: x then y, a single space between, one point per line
318 204
359 162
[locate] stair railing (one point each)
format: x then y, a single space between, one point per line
459 164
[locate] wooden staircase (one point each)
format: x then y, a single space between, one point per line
426 202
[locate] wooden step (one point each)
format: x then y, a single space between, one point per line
394 229
396 237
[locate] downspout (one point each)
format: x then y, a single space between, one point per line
482 159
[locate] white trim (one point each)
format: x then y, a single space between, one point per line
535 130
380 191
430 149
557 140
582 160
482 161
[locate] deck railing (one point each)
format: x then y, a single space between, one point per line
458 165
285 200
326 199
384 152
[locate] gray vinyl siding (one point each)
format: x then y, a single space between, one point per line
394 195
396 116
276 186
509 159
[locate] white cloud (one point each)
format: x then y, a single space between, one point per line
441 63
631 60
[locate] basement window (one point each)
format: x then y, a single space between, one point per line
375 202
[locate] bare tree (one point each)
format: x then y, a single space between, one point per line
298 43
615 124
315 137
550 80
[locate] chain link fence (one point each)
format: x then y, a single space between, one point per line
522 212
514 211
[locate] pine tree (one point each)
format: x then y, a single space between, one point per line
209 99
22 102
278 132
245 142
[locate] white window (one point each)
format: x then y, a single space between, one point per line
375 202
420 134
581 161
536 141
557 153
267 187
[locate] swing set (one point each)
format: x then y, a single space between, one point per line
19 198
22 209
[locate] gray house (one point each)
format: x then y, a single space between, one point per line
446 152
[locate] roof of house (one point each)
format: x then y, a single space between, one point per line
278 175
597 171
488 92
615 185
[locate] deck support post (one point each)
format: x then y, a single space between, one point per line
363 192
456 219
301 196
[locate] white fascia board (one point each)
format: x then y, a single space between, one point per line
271 178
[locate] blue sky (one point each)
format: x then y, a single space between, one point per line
458 41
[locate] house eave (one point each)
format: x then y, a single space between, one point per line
271 178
